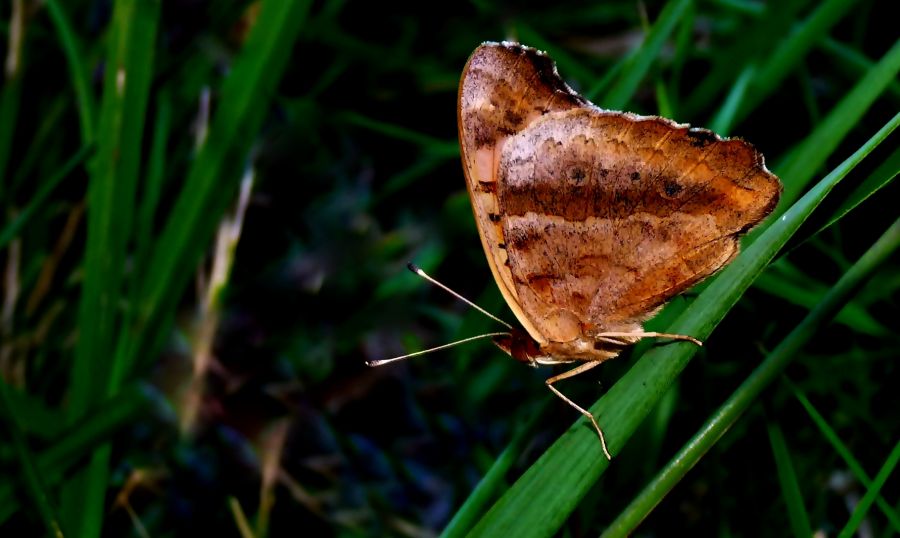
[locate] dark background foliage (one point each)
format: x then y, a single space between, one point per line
357 172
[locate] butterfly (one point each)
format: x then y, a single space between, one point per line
592 219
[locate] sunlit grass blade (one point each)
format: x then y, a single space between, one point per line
541 500
787 478
862 508
835 440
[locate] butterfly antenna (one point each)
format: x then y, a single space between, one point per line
418 270
438 348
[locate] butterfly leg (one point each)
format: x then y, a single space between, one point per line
572 373
650 335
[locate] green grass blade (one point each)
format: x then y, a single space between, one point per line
866 502
72 50
880 178
37 200
724 118
755 383
638 65
834 439
34 483
787 478
80 440
489 486
213 178
540 501
790 52
111 194
816 148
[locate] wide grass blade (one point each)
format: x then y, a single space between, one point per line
111 200
540 501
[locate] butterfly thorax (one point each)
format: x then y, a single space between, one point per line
522 347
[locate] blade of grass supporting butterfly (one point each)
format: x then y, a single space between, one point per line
111 198
866 502
541 500
834 439
787 478
755 383
31 475
213 178
639 63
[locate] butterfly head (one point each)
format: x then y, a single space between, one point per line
519 345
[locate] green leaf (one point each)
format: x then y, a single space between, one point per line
790 488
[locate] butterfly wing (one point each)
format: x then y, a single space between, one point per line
504 88
607 215
592 219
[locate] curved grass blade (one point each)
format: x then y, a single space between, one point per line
541 500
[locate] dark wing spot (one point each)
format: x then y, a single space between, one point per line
635 176
494 217
672 188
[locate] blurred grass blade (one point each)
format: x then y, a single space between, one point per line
866 502
783 61
802 165
73 52
541 500
79 441
111 197
787 478
755 383
213 178
38 198
724 118
435 146
34 483
834 439
637 66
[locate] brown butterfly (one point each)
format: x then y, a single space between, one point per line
592 219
